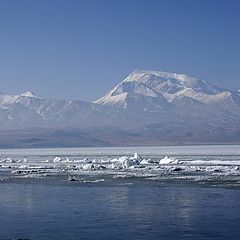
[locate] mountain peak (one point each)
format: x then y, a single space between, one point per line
167 81
138 74
28 94
180 79
157 87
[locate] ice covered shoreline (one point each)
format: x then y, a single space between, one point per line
214 168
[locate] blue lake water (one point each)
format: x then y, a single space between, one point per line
144 211
144 201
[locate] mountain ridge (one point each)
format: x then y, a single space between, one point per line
146 104
162 88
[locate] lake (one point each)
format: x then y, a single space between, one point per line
37 200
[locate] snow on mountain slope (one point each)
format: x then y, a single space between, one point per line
170 82
161 90
28 94
7 100
164 101
27 110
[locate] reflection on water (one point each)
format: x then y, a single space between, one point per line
111 212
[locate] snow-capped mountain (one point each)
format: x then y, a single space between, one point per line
154 91
146 108
26 110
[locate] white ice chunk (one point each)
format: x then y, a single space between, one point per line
57 160
146 161
88 167
136 157
168 160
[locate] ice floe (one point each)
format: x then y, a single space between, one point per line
128 166
168 160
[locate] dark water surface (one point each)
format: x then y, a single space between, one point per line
98 211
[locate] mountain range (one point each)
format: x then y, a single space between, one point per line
146 108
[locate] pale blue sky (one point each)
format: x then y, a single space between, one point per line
80 49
